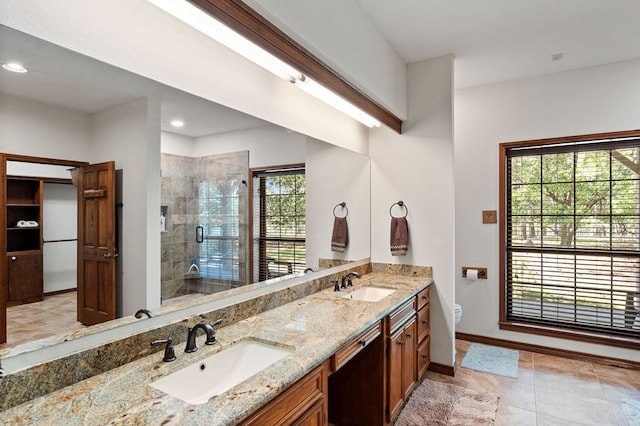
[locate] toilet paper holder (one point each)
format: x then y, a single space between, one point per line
482 272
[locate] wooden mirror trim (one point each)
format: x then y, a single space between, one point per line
247 22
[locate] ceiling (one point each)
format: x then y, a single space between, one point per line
498 40
491 40
63 78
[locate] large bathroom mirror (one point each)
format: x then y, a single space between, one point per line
72 107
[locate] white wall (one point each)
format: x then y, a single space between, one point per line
340 34
136 36
59 221
335 175
39 130
598 99
267 145
417 168
170 143
130 135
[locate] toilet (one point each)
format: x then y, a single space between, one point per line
458 312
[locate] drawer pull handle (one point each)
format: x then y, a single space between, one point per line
424 297
425 322
409 335
425 357
362 343
401 343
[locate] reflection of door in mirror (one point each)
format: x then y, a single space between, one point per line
97 242
42 280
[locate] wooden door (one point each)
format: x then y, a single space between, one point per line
3 250
96 243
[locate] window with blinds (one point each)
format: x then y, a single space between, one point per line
572 235
279 216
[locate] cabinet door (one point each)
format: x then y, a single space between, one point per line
314 416
394 383
24 277
408 359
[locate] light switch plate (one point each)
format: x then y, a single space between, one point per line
489 216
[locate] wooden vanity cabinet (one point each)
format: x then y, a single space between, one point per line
401 360
424 328
304 403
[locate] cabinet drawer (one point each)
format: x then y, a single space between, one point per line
400 315
294 403
343 356
423 297
424 324
424 356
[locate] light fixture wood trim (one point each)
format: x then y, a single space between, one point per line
246 21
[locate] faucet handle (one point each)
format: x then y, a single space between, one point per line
336 287
169 352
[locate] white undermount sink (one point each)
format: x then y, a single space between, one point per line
216 374
369 293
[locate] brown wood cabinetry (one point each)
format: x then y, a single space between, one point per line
423 359
24 273
24 240
302 404
401 350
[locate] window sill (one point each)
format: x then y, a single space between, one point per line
596 338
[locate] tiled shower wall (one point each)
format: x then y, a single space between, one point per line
179 185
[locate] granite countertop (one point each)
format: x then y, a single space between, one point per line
315 326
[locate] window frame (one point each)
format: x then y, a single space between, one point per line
286 169
537 328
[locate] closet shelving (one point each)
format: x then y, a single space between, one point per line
24 241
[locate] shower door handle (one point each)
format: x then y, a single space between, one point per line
199 234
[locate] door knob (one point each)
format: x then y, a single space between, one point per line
107 255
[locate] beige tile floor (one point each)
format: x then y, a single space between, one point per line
551 390
33 321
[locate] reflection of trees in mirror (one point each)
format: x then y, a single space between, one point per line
573 234
281 222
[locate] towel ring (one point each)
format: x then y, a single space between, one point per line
344 206
401 204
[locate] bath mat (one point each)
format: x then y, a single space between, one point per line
442 404
490 359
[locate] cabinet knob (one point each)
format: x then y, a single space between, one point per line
425 322
362 342
409 335
13 258
401 343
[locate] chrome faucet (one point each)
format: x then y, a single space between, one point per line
346 280
208 328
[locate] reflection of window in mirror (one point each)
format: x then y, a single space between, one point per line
279 221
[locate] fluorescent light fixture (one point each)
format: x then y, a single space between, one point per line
206 24
316 89
177 123
14 67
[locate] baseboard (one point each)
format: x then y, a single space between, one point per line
67 290
581 356
447 370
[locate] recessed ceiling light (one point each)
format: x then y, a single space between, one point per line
14 67
177 123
